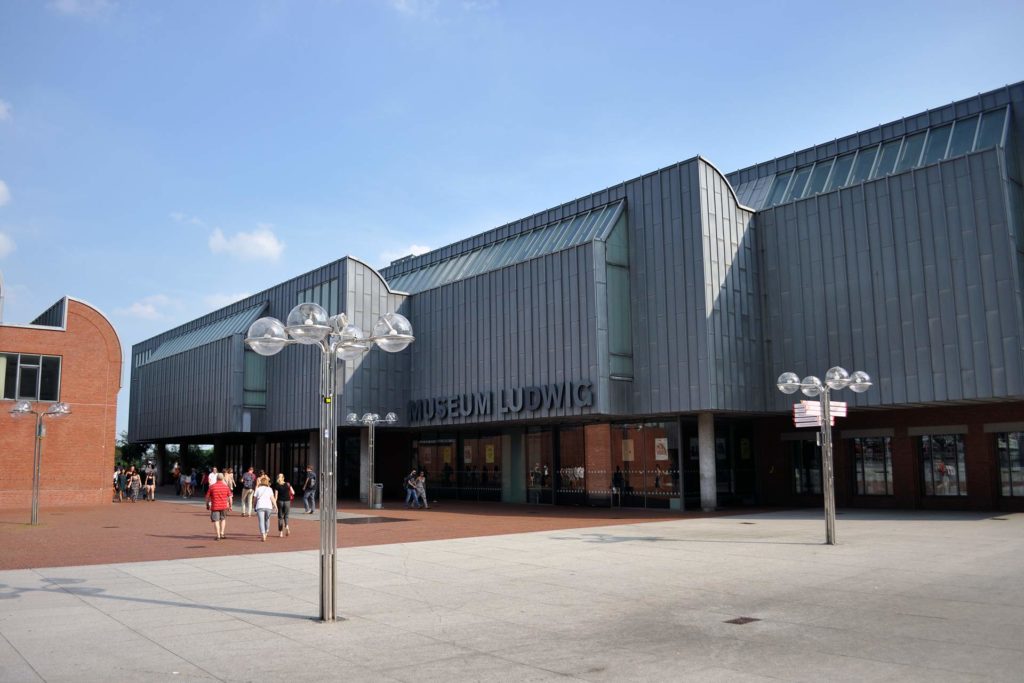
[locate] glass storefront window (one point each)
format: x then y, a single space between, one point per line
539 467
645 463
571 477
872 465
943 466
806 459
1010 450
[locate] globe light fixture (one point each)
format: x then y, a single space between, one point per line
23 409
836 378
337 338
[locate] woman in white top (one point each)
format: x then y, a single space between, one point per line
263 503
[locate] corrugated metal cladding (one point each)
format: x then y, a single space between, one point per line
916 278
52 316
911 278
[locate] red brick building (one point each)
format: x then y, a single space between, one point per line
70 353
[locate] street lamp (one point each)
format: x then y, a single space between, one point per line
336 337
836 378
371 420
21 409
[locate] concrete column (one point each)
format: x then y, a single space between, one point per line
706 448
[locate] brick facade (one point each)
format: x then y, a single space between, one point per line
78 449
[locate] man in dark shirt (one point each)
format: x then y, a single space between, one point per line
309 491
218 499
248 486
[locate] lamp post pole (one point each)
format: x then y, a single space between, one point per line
22 408
836 378
336 338
371 420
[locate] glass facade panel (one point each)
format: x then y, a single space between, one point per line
620 325
862 169
911 152
796 188
806 458
887 159
1010 450
943 465
938 140
872 465
645 463
818 177
963 136
840 172
539 467
991 132
254 380
778 188
571 476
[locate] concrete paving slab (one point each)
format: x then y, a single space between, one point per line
646 601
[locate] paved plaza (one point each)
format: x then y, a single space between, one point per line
905 596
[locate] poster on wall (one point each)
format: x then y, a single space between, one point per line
467 453
627 450
489 454
446 454
661 448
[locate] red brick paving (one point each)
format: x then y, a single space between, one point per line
135 532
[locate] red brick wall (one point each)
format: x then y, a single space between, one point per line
78 449
775 474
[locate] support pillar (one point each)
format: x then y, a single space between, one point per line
706 449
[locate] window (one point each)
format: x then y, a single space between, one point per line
806 457
963 136
818 177
943 467
778 188
938 139
862 169
872 465
620 336
911 153
31 377
1010 449
991 132
840 172
887 159
796 188
254 380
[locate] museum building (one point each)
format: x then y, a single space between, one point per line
623 347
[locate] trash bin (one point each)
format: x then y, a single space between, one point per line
378 496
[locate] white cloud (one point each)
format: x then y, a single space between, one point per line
413 249
214 301
6 245
81 8
148 308
260 244
5 194
5 111
185 219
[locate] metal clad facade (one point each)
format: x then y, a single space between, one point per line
912 275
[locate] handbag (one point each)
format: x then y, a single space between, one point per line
291 492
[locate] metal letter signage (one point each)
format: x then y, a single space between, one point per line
504 401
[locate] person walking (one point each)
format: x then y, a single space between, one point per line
263 501
135 484
229 479
421 489
283 495
411 496
217 501
150 484
309 491
212 477
248 485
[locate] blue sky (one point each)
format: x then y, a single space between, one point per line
161 159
